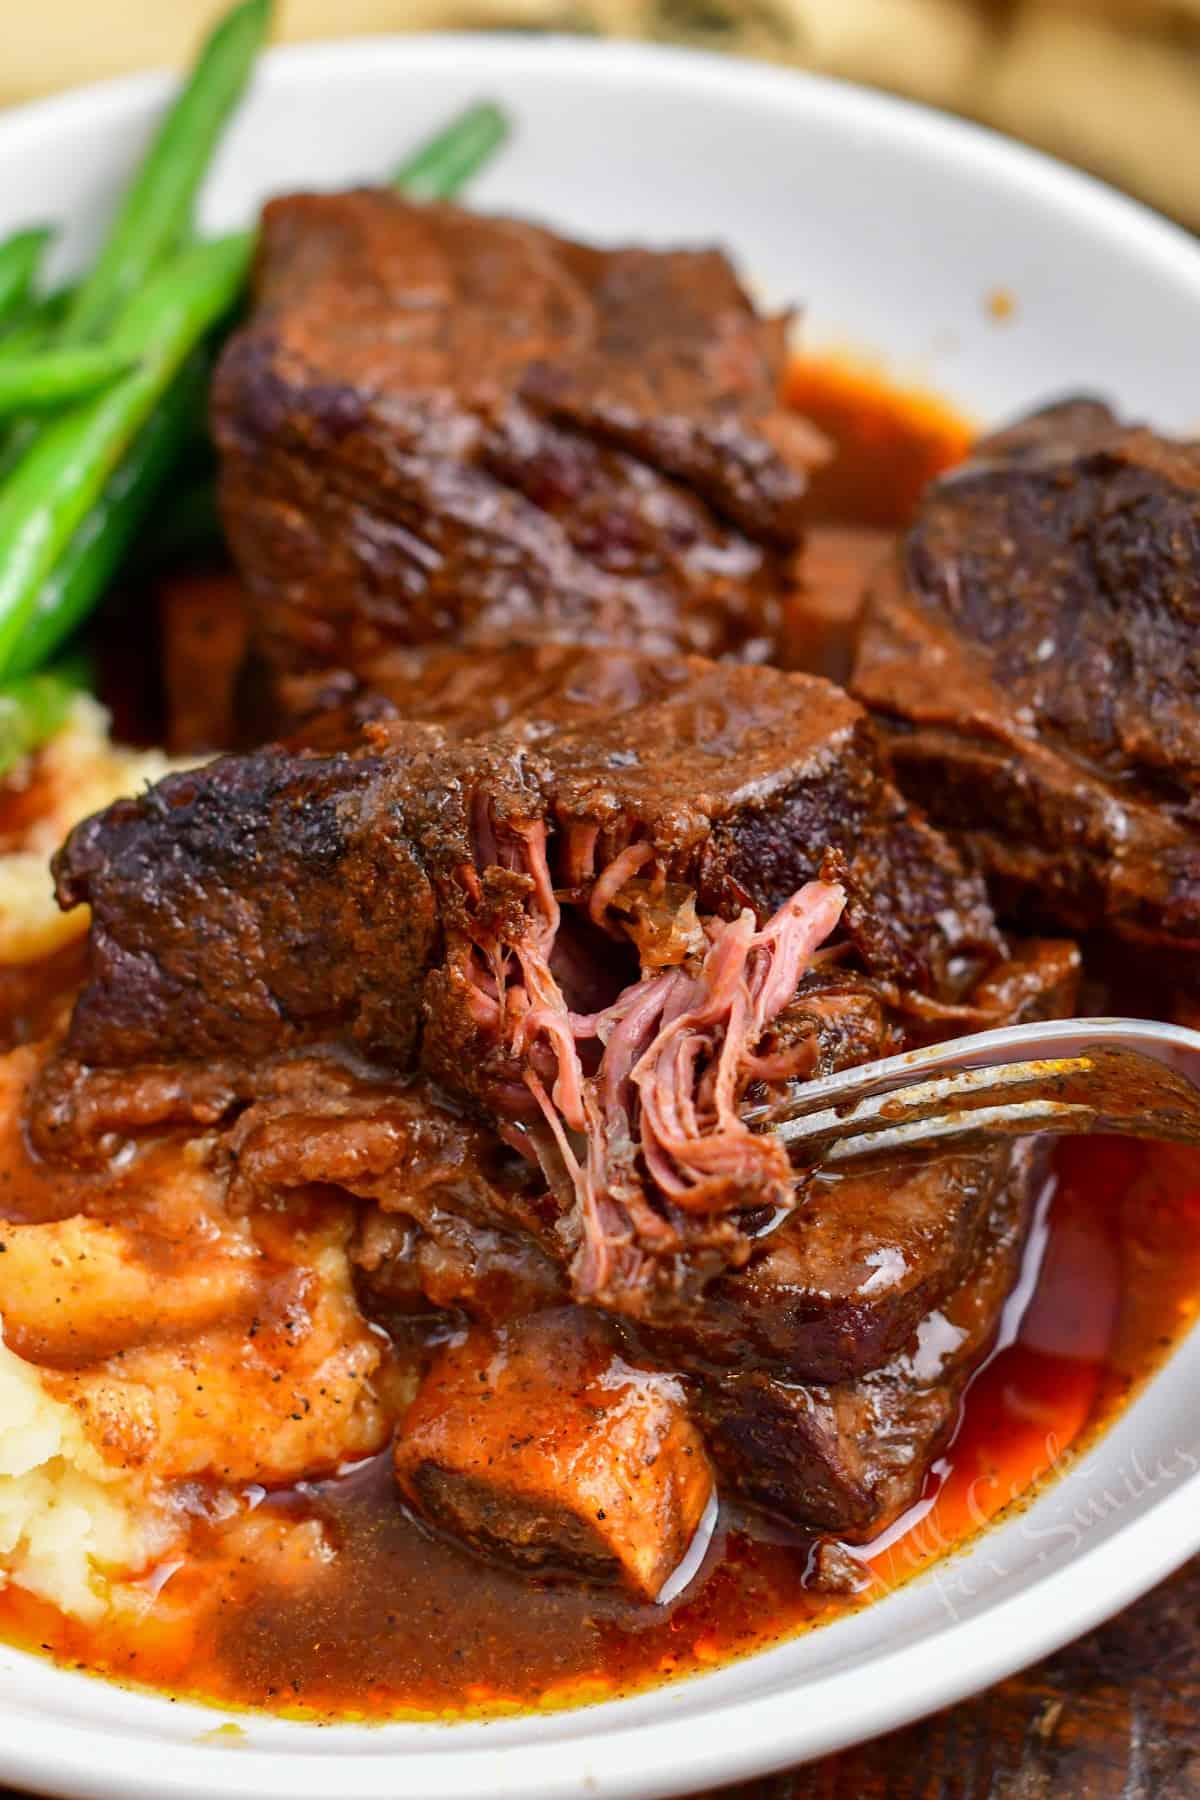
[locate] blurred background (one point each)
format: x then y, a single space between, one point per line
1113 85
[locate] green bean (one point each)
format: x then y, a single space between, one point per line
444 165
78 551
20 257
95 553
64 471
26 335
50 378
33 332
33 708
156 211
31 327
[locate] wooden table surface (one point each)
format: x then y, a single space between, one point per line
1115 1716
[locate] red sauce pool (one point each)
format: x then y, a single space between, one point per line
403 1624
890 441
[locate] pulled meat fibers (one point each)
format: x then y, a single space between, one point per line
652 1140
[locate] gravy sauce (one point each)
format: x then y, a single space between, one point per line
398 1622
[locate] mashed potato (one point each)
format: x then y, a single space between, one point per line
69 1520
79 771
167 1364
269 1397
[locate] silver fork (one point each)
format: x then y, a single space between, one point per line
1133 1077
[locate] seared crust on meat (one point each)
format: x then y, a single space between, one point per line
1031 659
442 425
466 906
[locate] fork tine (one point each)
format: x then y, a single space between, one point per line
1021 1119
982 1050
1127 1076
918 1100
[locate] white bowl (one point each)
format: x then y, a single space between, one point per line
890 226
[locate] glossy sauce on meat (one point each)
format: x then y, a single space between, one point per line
406 1623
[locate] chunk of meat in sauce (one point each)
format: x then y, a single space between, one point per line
850 1457
1030 656
613 466
470 906
453 1220
461 1223
541 1444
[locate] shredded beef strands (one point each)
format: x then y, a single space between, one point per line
620 870
691 1075
672 1056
